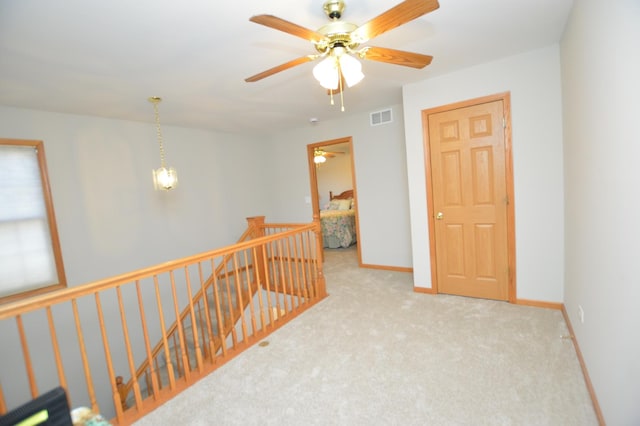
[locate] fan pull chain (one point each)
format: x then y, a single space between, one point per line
341 88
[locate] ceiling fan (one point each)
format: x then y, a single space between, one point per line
338 42
320 155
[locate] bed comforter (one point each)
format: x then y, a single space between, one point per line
338 228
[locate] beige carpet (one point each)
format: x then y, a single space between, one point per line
376 353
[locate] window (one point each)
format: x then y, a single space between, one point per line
30 256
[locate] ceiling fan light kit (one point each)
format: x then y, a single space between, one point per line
319 156
338 64
337 41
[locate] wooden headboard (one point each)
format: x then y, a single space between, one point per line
342 196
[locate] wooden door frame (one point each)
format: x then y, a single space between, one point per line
313 179
511 233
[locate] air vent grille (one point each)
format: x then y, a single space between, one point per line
381 117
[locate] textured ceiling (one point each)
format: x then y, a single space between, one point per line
106 58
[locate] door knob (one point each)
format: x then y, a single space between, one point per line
439 216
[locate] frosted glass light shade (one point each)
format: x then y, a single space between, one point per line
351 70
319 159
165 178
326 72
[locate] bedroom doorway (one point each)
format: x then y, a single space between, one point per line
334 177
470 203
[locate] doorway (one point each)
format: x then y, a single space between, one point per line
470 203
331 178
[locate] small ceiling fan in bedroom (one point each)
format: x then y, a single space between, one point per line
338 43
320 155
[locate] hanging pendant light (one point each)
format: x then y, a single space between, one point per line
164 178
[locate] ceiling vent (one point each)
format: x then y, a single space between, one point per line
381 117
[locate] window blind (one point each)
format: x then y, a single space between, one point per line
26 254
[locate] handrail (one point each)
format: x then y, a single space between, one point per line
124 389
39 301
81 337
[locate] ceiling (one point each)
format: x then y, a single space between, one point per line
106 58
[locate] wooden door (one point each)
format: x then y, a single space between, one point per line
469 204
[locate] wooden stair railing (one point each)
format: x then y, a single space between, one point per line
254 230
81 336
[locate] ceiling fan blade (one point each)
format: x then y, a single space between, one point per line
400 14
287 27
281 67
397 57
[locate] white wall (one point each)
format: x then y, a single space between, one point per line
601 95
380 169
110 219
533 79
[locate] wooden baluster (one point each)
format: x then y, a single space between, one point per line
250 290
180 327
267 285
117 403
176 354
239 300
27 357
219 312
169 364
158 373
289 282
207 312
230 315
294 282
194 327
300 272
290 277
148 382
85 359
56 349
309 270
256 260
290 299
318 234
318 261
282 287
127 343
200 312
303 266
276 267
147 344
3 404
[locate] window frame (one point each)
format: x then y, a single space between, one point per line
38 146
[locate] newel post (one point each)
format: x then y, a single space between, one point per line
256 225
321 283
256 228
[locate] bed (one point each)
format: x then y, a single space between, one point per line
338 221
